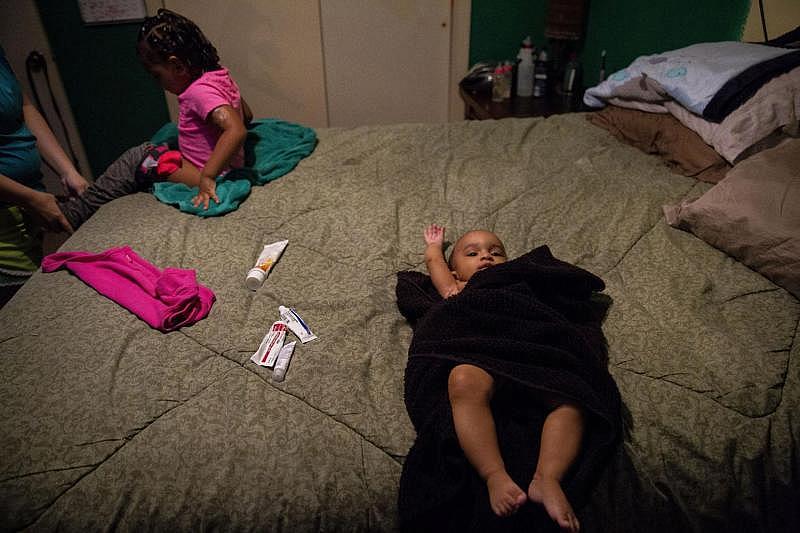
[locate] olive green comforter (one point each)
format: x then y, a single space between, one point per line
106 423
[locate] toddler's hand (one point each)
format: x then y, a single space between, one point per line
208 192
434 234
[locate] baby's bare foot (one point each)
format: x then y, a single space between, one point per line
548 492
505 496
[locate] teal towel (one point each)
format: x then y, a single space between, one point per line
273 148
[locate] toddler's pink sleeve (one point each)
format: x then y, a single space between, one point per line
205 96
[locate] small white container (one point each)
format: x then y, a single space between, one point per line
282 364
266 259
296 324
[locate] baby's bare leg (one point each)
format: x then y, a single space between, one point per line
561 441
470 389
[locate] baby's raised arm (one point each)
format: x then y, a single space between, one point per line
442 278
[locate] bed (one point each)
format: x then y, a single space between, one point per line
107 423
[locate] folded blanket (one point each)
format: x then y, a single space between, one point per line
708 79
771 111
534 324
656 133
167 300
272 149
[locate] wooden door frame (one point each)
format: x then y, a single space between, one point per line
460 13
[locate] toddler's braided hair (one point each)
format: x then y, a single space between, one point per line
170 34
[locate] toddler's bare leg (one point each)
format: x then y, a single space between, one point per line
561 441
470 389
188 174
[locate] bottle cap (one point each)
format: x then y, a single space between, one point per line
255 278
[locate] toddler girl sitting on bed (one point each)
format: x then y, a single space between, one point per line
506 373
211 121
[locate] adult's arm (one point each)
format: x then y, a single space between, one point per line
52 152
42 205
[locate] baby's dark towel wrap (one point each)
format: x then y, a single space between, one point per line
534 324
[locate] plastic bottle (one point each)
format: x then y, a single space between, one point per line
571 75
498 83
508 75
282 363
525 68
540 76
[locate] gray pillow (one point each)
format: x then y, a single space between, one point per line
753 214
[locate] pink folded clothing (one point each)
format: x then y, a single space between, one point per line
167 300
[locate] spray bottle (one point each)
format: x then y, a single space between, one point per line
525 68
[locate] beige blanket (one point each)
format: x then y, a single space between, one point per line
106 423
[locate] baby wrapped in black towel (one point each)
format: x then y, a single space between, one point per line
506 385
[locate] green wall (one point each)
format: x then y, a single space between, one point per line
626 29
115 102
498 27
116 105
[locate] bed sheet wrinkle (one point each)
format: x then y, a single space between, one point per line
30 488
173 245
117 360
290 219
381 426
131 435
237 505
338 417
702 332
190 335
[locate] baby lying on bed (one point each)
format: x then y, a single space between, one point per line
518 349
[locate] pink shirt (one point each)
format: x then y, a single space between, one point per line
196 136
166 299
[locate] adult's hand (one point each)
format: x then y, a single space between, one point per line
74 184
44 207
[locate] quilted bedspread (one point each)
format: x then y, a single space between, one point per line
106 423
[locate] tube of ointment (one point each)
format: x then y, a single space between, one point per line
268 257
283 361
270 346
296 324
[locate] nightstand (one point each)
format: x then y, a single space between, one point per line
479 105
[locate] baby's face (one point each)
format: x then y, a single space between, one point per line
474 251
